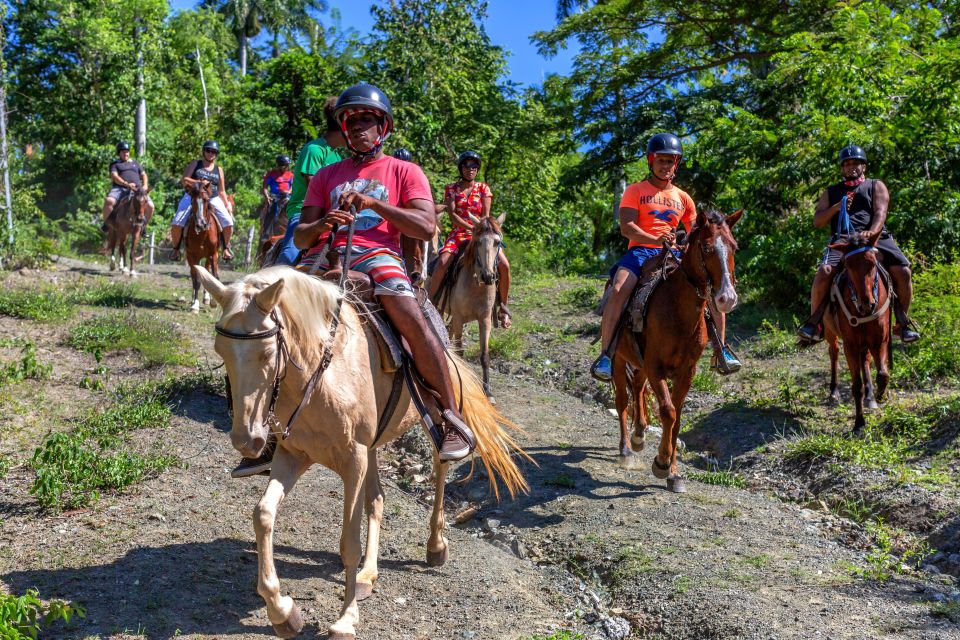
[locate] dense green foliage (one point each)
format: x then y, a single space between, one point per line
763 96
22 617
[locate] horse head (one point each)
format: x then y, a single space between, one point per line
261 313
711 247
138 205
861 263
483 249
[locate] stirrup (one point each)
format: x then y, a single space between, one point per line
810 333
504 317
727 363
602 368
227 258
175 254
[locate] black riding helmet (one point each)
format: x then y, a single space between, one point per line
403 154
364 96
283 159
666 143
468 155
852 152
123 145
211 144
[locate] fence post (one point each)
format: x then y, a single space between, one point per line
151 247
246 257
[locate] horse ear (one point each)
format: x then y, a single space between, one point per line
701 219
211 284
734 217
268 298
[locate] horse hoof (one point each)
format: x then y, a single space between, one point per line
292 626
833 399
638 443
659 472
677 484
626 452
872 404
340 635
492 400
364 590
134 274
438 558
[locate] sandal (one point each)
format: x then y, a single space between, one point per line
503 315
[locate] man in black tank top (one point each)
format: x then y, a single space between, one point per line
867 201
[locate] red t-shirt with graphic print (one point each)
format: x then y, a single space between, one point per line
387 178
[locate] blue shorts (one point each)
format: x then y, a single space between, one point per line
289 253
634 258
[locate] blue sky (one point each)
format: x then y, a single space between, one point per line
509 25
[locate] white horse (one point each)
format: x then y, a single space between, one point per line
274 331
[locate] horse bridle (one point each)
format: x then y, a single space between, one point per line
707 292
841 301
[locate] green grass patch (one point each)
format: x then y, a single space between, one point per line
758 561
706 381
44 305
892 437
556 635
104 293
74 468
27 367
892 549
719 478
772 341
936 308
583 296
23 617
561 480
157 341
630 562
509 344
948 610
4 466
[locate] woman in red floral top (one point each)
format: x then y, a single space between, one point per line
464 199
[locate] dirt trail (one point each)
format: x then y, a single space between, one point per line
595 548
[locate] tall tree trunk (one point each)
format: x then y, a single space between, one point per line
5 158
243 53
141 125
203 85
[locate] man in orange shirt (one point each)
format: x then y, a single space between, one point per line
650 212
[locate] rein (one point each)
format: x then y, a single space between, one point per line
842 302
283 353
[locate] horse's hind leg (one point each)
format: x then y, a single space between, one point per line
486 324
883 370
374 505
869 400
195 305
621 396
834 348
282 611
438 549
354 481
640 422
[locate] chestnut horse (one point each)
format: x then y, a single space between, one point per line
673 338
276 330
473 297
127 221
202 238
860 304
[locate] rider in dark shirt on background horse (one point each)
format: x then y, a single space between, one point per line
126 175
857 206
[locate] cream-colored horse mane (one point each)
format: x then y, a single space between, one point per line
306 305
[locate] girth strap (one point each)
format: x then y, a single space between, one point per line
390 407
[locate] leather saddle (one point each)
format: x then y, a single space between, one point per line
654 273
359 291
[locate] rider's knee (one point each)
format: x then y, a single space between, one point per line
824 271
503 260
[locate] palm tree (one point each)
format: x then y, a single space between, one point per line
244 18
293 18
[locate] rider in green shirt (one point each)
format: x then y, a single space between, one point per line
314 155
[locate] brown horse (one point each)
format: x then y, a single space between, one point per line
275 331
673 339
127 221
473 296
860 303
202 237
273 225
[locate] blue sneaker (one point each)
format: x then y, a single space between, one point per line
602 368
729 364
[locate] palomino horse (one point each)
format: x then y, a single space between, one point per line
860 303
202 238
274 335
127 221
674 337
473 296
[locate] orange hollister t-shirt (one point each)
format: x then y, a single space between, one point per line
658 210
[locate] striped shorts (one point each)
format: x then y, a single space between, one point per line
383 266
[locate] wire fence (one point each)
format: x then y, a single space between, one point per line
248 244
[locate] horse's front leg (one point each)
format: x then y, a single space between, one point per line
486 324
282 611
438 549
668 415
214 266
833 346
869 399
855 358
373 491
195 305
354 481
880 354
681 385
134 239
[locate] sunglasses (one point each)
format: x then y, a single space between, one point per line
471 166
213 151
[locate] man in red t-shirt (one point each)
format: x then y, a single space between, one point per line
391 197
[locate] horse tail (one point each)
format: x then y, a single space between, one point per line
495 444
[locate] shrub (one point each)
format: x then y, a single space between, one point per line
27 367
156 340
937 310
21 617
584 296
45 305
719 478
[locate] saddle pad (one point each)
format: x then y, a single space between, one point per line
650 280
